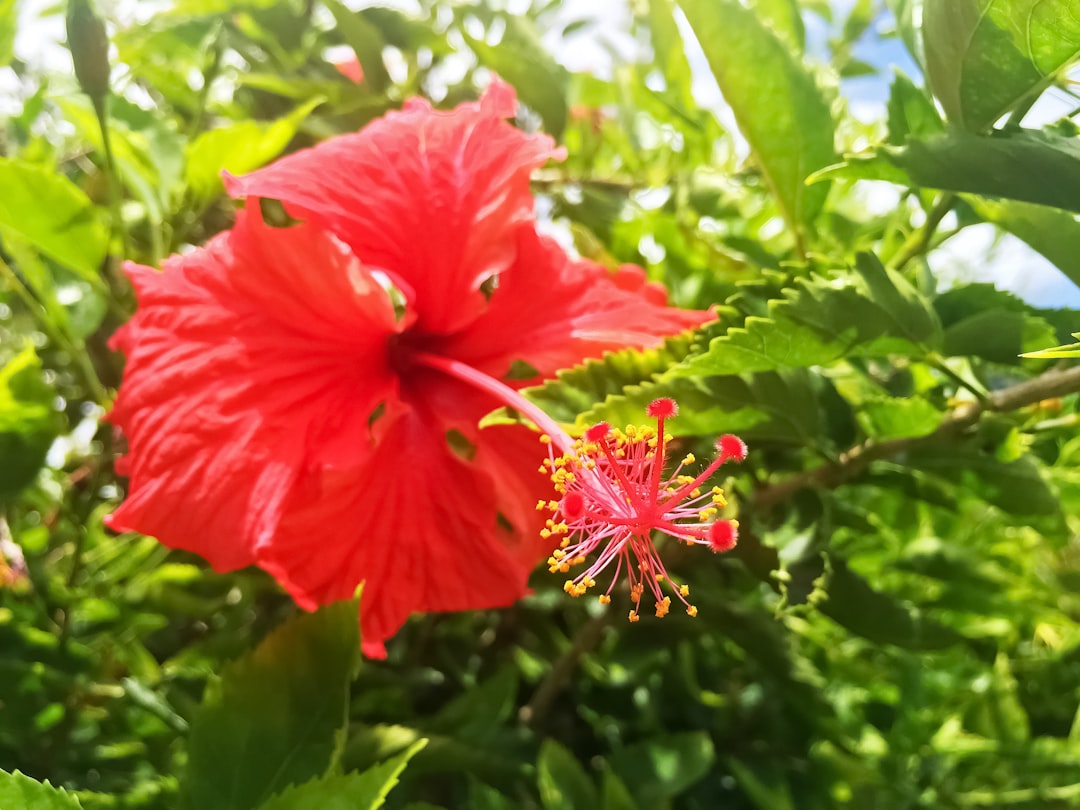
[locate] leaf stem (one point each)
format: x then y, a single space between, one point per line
86 370
920 239
115 190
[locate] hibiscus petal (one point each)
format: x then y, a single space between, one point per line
552 313
430 198
244 368
417 523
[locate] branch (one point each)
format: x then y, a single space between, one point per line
855 461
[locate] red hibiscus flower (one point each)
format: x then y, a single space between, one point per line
306 399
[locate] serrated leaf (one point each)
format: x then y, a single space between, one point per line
563 782
779 406
239 148
663 767
20 792
277 716
53 214
778 105
521 59
28 423
352 791
984 58
1031 166
577 390
873 311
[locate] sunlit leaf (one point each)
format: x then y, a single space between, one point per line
28 423
20 792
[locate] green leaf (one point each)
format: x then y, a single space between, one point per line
1069 351
1037 167
479 713
853 603
577 390
9 15
779 107
28 423
1052 232
663 767
985 58
911 112
998 334
898 418
521 59
366 42
53 214
564 784
20 792
873 311
353 791
770 792
614 794
239 148
276 717
1015 487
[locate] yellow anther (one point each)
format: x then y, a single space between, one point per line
689 458
695 492
565 542
545 439
564 568
633 617
685 479
568 586
691 611
558 554
707 514
659 577
541 504
545 533
603 599
684 590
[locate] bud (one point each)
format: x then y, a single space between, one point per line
89 46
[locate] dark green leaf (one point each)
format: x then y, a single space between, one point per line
663 767
777 103
984 58
50 212
1037 167
564 784
28 423
479 712
768 792
20 792
911 112
277 716
614 794
1016 487
353 791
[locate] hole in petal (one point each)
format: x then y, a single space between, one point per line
520 370
275 215
460 445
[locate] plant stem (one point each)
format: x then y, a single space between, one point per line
115 191
919 240
855 461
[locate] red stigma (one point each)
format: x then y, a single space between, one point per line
731 447
723 536
663 408
598 432
573 505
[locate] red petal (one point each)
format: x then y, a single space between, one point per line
430 198
552 313
416 522
247 362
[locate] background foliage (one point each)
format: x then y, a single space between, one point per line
899 626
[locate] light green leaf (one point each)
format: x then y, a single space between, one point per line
9 14
1037 167
352 791
20 792
873 311
1068 351
898 417
911 112
614 794
276 717
663 767
564 784
53 214
239 148
985 58
521 59
28 423
779 107
1052 232
366 42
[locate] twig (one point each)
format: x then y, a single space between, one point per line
586 639
920 238
855 461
